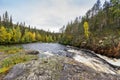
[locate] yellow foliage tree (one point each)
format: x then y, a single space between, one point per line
31 36
86 29
38 36
16 34
25 37
28 36
50 38
9 35
46 38
3 33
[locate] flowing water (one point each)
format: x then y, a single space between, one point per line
89 58
48 49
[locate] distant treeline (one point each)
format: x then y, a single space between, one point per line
20 33
103 25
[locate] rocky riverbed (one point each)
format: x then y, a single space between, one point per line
56 68
58 62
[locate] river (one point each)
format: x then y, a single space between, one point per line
49 49
87 57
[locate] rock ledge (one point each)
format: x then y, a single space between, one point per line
56 68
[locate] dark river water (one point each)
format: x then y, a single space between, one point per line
49 49
53 48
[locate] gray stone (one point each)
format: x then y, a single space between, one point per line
56 68
1 52
15 72
33 52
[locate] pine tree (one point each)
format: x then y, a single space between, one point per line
115 11
98 5
0 21
11 23
6 19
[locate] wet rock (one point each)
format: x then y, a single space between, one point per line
15 72
1 52
32 52
56 68
32 76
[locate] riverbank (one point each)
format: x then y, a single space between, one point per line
10 56
104 46
56 62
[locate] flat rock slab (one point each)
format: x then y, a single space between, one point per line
56 68
1 52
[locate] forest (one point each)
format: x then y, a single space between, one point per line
87 48
20 33
98 30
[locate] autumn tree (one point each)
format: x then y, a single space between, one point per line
38 36
20 33
25 37
9 35
16 34
3 33
86 29
31 36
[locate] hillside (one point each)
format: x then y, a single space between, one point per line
98 30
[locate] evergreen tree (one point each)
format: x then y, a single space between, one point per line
0 21
6 19
98 5
11 23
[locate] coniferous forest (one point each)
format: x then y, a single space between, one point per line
98 30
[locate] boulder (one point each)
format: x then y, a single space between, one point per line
33 52
1 52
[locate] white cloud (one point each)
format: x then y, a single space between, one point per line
49 14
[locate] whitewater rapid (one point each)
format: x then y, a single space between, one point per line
89 58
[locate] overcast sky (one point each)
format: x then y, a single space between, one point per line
45 14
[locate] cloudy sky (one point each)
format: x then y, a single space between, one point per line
46 14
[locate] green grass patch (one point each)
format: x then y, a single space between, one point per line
14 59
10 49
